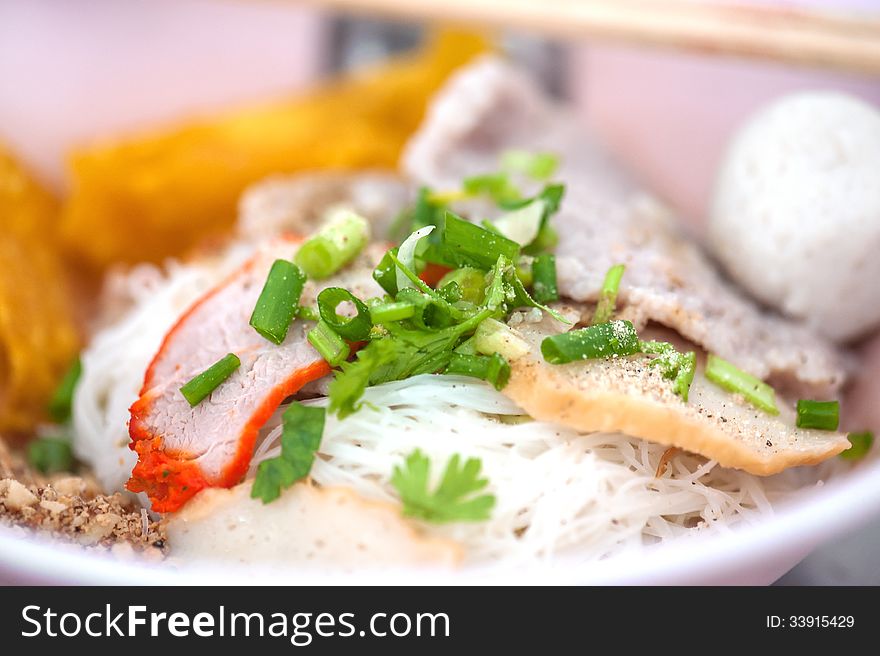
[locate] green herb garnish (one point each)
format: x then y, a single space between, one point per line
328 343
354 328
493 369
201 385
335 245
539 166
603 340
467 244
822 415
300 438
62 398
307 313
278 302
755 391
495 185
391 311
51 454
544 278
608 294
386 272
860 445
673 364
471 282
454 498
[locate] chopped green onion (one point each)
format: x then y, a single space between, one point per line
307 313
471 281
524 270
386 273
448 196
355 328
608 294
393 311
552 195
603 340
546 240
727 376
521 298
467 347
62 398
426 209
860 445
429 312
417 283
539 166
278 301
450 292
335 245
824 415
470 245
544 279
201 385
684 378
51 454
494 368
330 345
492 336
522 224
406 254
425 212
495 185
435 298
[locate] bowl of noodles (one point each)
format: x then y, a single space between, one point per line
480 353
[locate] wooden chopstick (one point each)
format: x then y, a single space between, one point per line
847 42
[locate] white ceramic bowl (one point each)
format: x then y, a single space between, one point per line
752 555
756 554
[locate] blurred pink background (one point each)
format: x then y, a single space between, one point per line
669 115
75 70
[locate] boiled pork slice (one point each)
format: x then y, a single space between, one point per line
627 395
298 203
605 219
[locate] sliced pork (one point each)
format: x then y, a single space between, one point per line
183 449
298 203
604 220
628 396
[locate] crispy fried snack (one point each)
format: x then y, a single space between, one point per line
38 338
158 195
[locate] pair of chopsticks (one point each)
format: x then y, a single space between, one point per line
806 37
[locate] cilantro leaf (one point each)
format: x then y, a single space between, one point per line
272 476
453 500
420 285
350 382
300 438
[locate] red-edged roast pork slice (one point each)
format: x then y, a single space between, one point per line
183 449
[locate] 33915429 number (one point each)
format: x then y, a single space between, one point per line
811 622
